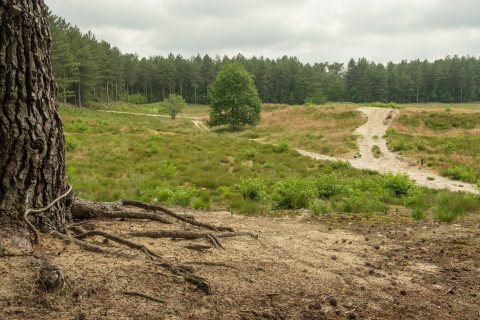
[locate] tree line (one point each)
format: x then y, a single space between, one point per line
87 70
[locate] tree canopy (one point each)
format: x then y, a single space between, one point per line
87 69
234 99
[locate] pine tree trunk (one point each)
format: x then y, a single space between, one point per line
32 161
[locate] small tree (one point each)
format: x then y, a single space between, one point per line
234 99
175 104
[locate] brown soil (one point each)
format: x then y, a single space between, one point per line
334 267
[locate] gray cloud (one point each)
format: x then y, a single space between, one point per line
314 31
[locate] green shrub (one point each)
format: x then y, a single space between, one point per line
293 194
327 186
341 164
164 194
182 196
399 184
137 99
377 153
251 152
167 170
71 143
282 146
251 188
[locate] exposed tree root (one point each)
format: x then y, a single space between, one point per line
90 246
142 295
172 214
83 209
190 235
119 240
178 234
136 215
183 271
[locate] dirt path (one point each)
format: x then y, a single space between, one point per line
371 133
335 267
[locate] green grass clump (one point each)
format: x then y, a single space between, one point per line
418 214
377 153
71 143
293 194
341 164
460 172
450 206
282 146
319 207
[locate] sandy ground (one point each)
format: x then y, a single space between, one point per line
371 133
335 267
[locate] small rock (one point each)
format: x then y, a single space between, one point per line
403 292
377 247
367 239
350 315
371 271
334 257
332 301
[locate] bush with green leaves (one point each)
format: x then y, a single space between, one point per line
167 169
251 188
293 194
137 99
282 146
175 104
399 184
182 196
327 186
234 99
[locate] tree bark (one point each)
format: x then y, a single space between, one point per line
32 162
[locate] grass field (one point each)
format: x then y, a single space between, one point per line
326 129
113 156
447 137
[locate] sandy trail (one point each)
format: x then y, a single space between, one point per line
371 133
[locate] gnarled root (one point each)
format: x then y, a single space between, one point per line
183 271
155 208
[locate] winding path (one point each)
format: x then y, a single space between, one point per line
371 133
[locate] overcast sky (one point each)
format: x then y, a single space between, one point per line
312 30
